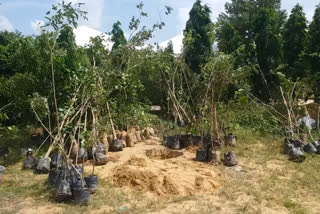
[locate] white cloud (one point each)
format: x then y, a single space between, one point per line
95 12
176 42
5 24
84 33
36 26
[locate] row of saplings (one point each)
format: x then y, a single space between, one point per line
67 176
295 148
206 146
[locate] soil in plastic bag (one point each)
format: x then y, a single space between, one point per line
63 191
185 140
230 159
82 155
29 163
173 142
77 184
196 140
296 155
287 146
63 174
100 159
101 148
92 183
56 161
74 174
81 196
230 140
316 144
297 143
2 169
53 176
204 155
310 148
43 166
116 146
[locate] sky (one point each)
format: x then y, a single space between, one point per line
26 15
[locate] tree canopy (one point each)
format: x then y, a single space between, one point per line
198 36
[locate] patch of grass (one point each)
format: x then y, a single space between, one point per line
290 204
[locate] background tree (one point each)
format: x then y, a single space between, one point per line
295 35
198 36
117 36
250 31
314 52
314 45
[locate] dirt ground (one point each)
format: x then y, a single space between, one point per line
148 178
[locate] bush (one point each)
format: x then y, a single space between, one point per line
259 118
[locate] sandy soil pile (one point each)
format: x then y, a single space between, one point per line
150 167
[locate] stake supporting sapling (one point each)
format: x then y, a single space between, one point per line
214 120
95 139
111 122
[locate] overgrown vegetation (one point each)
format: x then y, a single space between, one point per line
266 65
259 49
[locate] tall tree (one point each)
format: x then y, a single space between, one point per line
267 26
250 30
198 36
117 36
314 46
295 36
314 52
234 31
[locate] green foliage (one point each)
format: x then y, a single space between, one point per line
314 51
295 39
64 14
250 30
258 53
199 36
315 32
117 36
247 115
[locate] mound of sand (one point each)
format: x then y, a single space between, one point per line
135 161
166 172
162 154
158 171
144 180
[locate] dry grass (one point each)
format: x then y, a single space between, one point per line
267 183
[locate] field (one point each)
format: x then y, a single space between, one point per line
131 182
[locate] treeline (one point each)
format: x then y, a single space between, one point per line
263 37
260 49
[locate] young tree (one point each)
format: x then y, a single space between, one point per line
169 48
117 36
295 37
198 36
218 73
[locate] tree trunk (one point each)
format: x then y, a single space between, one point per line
214 120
